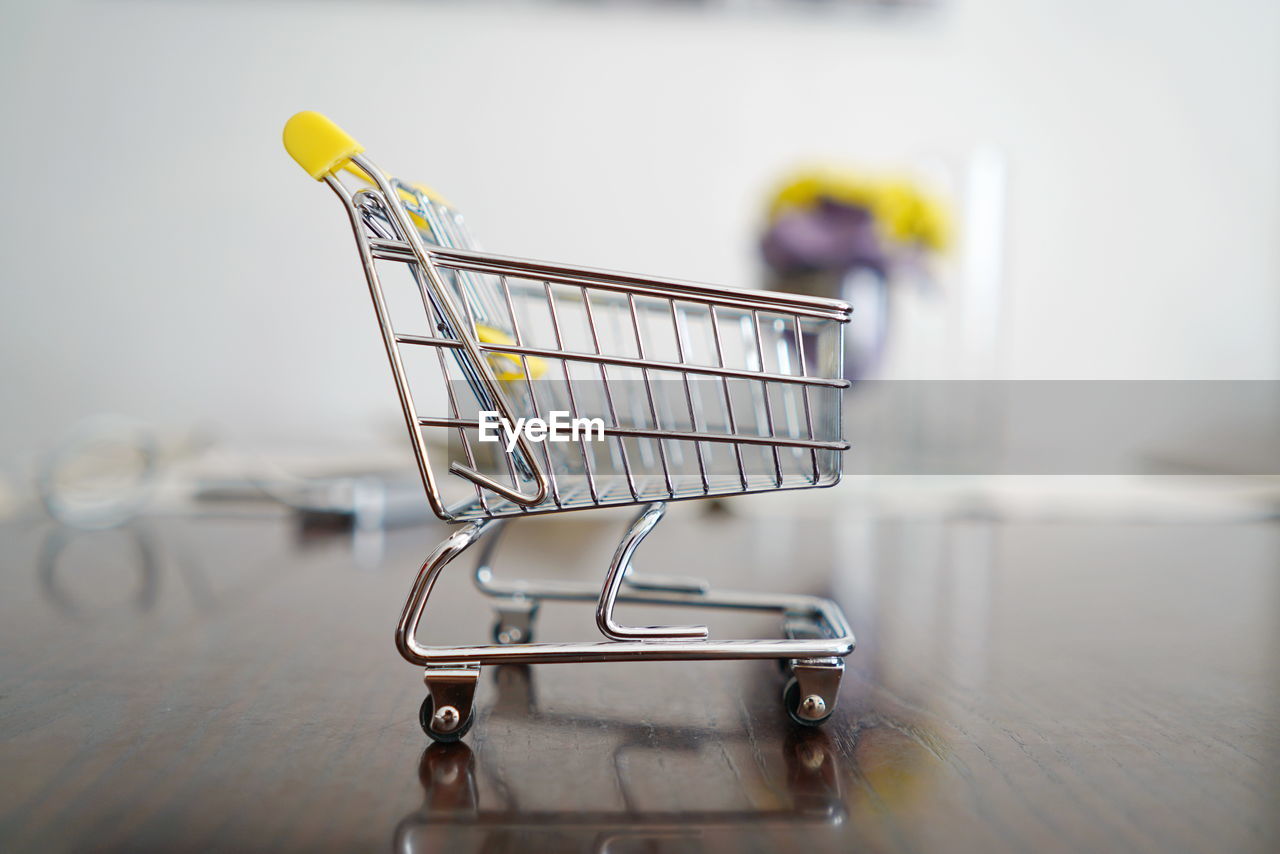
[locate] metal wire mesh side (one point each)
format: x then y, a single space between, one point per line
697 391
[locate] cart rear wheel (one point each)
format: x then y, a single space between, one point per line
507 633
444 728
806 711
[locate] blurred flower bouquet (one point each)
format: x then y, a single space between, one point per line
840 233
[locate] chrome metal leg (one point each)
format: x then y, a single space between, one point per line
835 640
515 611
817 633
411 616
611 628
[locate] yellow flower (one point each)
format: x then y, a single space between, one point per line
904 212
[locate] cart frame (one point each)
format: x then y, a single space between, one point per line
817 635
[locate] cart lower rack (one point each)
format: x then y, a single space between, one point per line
554 387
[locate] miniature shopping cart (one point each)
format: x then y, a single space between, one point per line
553 387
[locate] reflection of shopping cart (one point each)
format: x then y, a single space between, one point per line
667 390
455 817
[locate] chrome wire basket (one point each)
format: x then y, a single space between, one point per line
554 387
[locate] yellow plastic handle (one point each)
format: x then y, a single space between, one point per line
320 146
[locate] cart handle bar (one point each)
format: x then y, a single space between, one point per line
322 149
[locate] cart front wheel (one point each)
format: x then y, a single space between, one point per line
806 711
444 727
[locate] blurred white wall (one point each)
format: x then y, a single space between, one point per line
163 257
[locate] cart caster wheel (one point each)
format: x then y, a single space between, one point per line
444 728
505 633
513 621
807 711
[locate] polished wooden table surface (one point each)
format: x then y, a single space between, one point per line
231 684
